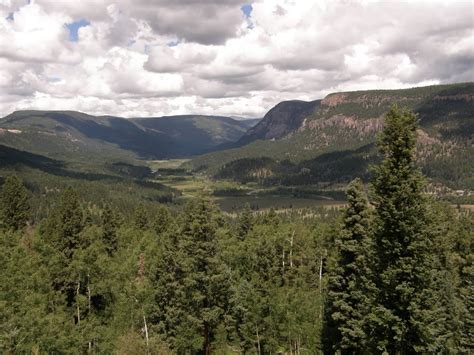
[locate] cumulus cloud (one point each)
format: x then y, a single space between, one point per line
227 57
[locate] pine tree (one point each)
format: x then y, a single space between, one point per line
14 204
162 220
66 223
63 239
109 229
140 217
194 306
402 243
245 222
465 249
350 287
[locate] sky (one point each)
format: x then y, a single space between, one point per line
222 57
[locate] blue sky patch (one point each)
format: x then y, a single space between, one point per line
173 43
74 27
247 10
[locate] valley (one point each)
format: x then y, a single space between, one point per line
126 246
262 177
230 195
300 154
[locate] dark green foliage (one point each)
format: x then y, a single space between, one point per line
46 178
200 282
250 169
162 220
351 291
129 170
65 224
245 222
110 224
14 204
403 244
397 286
454 246
91 276
140 217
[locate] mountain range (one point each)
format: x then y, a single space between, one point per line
334 140
72 135
320 142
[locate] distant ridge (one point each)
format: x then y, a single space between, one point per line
332 140
76 135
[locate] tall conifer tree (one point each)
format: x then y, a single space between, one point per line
66 223
402 243
199 281
109 229
14 205
140 217
351 290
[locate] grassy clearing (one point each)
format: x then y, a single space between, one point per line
231 196
166 164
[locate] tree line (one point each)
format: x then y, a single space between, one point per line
390 274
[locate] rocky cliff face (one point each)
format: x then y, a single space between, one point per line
334 139
282 120
349 119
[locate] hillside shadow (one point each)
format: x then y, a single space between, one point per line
11 157
119 131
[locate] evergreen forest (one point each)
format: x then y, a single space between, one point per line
390 272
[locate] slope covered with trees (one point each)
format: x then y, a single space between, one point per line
392 274
71 135
336 143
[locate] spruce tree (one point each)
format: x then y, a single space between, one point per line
245 222
109 229
162 220
351 290
66 223
192 284
140 217
14 204
404 269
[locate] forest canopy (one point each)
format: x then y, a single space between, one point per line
389 273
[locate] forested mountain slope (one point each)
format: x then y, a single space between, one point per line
194 134
77 136
336 142
390 272
124 184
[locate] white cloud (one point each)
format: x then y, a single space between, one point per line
138 57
